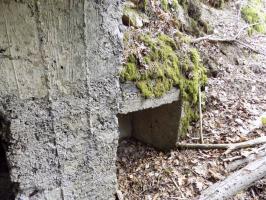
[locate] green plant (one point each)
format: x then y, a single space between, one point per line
253 14
164 4
263 120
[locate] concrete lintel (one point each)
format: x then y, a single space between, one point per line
133 101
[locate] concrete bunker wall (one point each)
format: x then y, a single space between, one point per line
59 62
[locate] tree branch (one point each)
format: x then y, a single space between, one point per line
228 147
258 153
234 39
200 114
236 182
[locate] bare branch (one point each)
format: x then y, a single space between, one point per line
213 38
236 182
234 39
200 114
228 147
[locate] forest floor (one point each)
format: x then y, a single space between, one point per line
235 103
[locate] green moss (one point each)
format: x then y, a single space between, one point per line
130 71
159 72
147 40
190 114
191 90
185 39
168 41
195 57
215 3
145 88
184 4
143 5
253 13
175 5
162 86
126 37
263 120
164 4
198 27
250 14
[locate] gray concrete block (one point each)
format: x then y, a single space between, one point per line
154 121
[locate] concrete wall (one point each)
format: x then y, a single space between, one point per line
58 92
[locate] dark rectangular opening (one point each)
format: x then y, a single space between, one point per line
157 127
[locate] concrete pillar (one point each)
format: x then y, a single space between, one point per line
58 89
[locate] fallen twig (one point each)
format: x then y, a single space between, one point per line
249 158
232 159
228 147
177 187
200 114
213 38
250 47
234 39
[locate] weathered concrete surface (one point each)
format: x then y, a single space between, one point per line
58 92
133 101
125 126
158 127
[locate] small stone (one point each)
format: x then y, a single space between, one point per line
239 121
131 17
243 131
148 197
120 195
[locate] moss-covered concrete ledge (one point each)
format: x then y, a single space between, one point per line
154 121
133 101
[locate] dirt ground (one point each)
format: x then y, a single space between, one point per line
235 103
